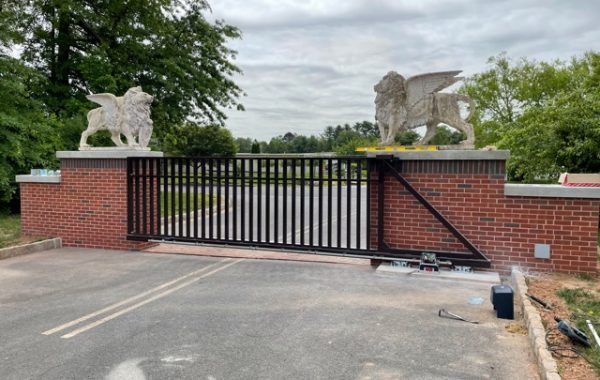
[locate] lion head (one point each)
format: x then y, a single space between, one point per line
391 96
136 105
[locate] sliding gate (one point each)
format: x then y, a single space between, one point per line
301 203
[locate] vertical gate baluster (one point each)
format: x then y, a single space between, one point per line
285 200
259 202
276 204
243 204
320 202
180 196
172 195
311 204
219 199
368 222
302 200
251 199
195 173
211 194
226 199
339 204
235 197
203 200
293 231
130 221
136 183
188 195
358 200
158 168
268 201
165 196
151 194
348 203
329 201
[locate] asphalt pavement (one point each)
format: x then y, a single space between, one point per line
96 314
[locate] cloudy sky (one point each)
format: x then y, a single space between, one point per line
312 63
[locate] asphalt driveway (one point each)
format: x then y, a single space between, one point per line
94 314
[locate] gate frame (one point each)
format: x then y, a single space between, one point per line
382 164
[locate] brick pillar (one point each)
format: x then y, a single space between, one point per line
87 205
469 189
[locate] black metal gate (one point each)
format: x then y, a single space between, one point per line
302 203
309 203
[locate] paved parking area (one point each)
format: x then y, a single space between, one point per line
93 314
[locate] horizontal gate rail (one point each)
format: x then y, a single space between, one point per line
307 203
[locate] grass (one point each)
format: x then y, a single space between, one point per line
10 230
184 200
584 305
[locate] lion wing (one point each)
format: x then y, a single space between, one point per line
108 101
419 86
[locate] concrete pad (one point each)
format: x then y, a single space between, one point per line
481 277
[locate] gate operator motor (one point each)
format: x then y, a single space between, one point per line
429 262
502 299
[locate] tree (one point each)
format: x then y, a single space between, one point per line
244 144
504 91
277 145
348 147
445 136
546 114
409 137
255 147
166 46
29 137
366 129
196 140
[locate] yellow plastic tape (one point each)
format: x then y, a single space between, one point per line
400 148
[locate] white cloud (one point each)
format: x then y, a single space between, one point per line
308 64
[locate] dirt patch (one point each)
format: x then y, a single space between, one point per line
570 366
516 328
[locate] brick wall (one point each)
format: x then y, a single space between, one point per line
88 208
470 194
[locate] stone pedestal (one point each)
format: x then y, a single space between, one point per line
86 205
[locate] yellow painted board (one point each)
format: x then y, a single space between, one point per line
401 148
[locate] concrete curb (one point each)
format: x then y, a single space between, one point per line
24 249
547 367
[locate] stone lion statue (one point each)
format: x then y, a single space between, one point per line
127 115
407 104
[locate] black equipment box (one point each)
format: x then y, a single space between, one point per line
502 299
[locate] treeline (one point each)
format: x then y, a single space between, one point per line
341 139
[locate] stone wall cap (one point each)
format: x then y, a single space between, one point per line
447 155
550 191
38 178
107 153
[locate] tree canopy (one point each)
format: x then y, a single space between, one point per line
166 46
70 48
196 140
546 114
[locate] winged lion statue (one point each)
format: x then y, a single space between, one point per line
403 104
127 115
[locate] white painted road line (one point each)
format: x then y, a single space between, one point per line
142 303
131 299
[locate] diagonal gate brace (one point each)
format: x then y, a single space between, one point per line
477 258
